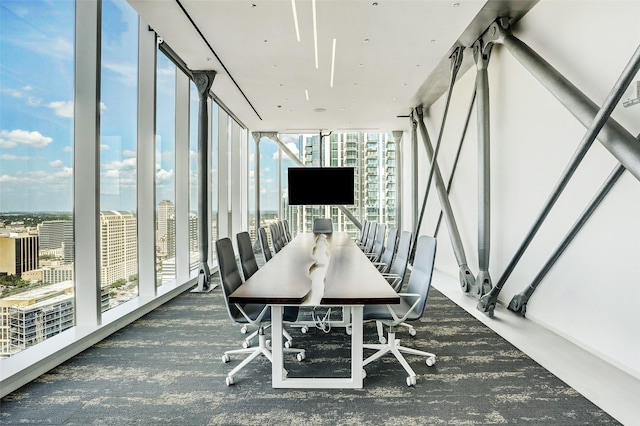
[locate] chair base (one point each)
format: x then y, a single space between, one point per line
382 339
261 349
393 346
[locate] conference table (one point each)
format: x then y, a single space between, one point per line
317 270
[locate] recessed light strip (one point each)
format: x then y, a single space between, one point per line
295 18
333 60
306 93
315 31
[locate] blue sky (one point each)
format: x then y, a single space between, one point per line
36 112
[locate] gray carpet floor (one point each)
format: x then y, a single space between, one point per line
166 369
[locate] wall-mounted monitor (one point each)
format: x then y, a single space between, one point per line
321 185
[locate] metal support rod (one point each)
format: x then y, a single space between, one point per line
615 138
414 148
519 301
481 54
203 81
465 275
487 302
457 156
274 137
456 60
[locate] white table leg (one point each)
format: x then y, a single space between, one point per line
277 363
356 346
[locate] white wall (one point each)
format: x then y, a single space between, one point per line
591 294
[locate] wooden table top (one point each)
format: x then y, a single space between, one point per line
317 270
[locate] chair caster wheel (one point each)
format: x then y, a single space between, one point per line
411 381
287 344
246 344
304 329
229 380
364 373
348 330
225 358
431 361
412 331
382 340
244 329
300 356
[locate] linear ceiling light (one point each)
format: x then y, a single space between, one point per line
306 93
333 60
295 18
315 31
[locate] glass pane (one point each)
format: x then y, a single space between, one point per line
36 175
165 169
269 194
118 135
215 109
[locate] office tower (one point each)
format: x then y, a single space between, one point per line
55 234
166 208
18 253
171 234
119 248
35 315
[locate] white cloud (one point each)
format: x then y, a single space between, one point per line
10 139
127 73
128 154
68 148
164 175
56 164
104 147
62 108
7 178
292 147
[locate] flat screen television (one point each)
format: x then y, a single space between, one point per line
321 185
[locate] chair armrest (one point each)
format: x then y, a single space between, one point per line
258 320
381 266
398 320
395 281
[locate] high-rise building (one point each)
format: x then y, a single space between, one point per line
372 155
171 234
18 253
166 209
119 246
55 234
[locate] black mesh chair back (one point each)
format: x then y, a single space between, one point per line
275 238
264 244
285 226
229 274
247 257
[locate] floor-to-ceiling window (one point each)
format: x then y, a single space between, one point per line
36 170
118 136
165 169
194 101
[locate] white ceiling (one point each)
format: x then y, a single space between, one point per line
387 54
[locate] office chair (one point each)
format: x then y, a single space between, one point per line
384 263
249 313
285 226
275 238
371 238
264 244
363 234
410 308
395 276
378 243
283 237
247 257
322 225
